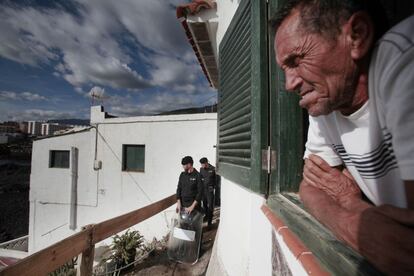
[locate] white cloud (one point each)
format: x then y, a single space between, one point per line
84 46
174 73
38 115
15 96
97 46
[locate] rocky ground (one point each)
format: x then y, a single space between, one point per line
14 201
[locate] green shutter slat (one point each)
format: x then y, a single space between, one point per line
239 129
235 145
235 152
245 162
242 103
234 123
241 113
240 45
241 69
243 136
234 128
243 89
241 50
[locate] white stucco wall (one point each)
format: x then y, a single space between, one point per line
244 235
244 243
110 192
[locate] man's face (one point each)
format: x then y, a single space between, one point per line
204 165
187 167
320 69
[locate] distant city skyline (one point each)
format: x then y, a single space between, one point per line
131 54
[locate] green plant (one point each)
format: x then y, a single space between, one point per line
124 247
67 269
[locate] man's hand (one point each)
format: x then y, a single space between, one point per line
178 208
338 184
384 235
188 210
191 208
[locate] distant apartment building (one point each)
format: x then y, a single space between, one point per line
34 128
48 129
9 127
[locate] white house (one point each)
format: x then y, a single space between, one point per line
115 166
264 229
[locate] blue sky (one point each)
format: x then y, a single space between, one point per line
132 54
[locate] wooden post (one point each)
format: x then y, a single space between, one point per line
87 256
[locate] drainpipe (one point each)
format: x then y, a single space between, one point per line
74 187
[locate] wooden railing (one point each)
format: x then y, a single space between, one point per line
49 259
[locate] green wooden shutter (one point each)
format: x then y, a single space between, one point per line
243 97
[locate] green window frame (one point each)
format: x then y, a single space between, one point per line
133 158
59 159
288 135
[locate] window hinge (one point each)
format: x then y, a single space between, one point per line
268 160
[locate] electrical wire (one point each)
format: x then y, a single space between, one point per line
120 161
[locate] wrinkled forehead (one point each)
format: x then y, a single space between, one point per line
288 36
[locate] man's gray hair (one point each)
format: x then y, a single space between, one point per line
325 17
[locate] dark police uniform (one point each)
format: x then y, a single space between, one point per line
208 177
190 188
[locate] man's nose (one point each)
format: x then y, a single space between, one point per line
293 81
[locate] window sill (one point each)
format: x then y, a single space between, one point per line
333 255
134 171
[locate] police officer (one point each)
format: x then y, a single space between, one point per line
208 177
190 187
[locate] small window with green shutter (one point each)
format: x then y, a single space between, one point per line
59 159
133 158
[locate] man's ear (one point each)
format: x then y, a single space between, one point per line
360 34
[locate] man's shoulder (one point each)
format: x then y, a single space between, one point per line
399 38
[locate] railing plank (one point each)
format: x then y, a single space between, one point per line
54 256
50 258
110 227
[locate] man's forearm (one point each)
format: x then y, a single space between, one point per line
377 235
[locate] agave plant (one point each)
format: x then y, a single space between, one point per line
124 247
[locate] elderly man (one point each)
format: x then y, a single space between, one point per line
357 84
